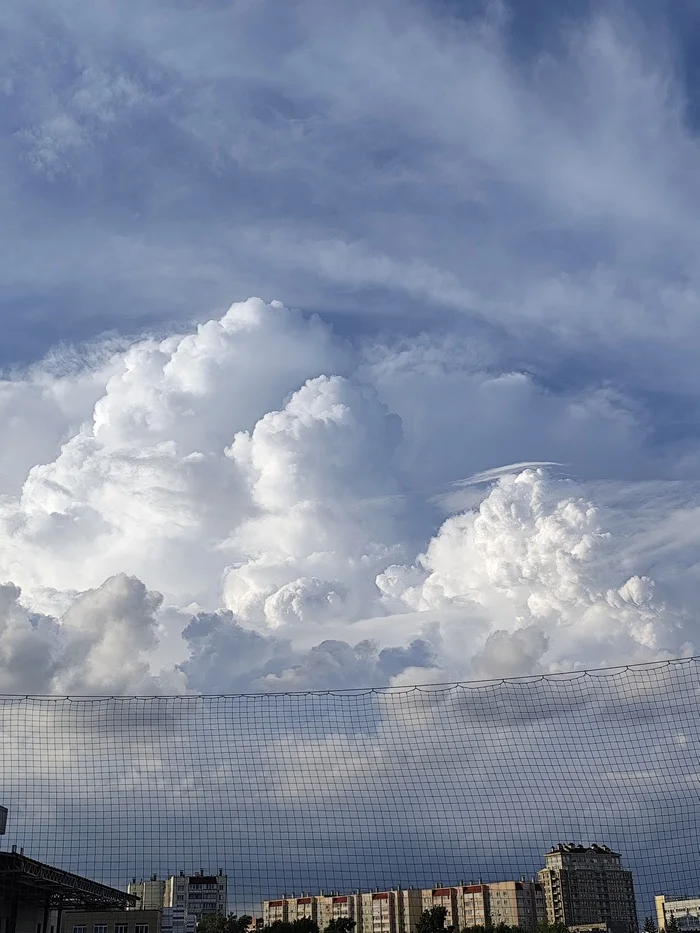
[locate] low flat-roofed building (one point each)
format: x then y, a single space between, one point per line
111 921
684 910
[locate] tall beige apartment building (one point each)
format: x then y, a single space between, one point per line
588 885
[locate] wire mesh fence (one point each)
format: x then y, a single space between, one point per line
361 790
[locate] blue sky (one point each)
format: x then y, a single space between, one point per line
473 228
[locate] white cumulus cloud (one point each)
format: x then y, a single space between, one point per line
261 489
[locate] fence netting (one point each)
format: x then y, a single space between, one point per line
348 790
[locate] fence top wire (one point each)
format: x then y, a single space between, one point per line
445 686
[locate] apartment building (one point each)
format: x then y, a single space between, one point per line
442 897
515 903
684 910
151 893
186 896
274 911
335 906
473 905
197 894
394 911
302 908
586 885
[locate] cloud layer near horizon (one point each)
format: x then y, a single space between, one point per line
267 490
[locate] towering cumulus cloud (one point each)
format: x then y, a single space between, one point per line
259 504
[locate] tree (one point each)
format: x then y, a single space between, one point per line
303 925
215 923
433 921
650 926
672 926
546 927
341 925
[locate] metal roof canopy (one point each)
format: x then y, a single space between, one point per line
62 888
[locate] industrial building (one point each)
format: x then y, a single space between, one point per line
34 896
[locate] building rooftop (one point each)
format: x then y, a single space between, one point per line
62 888
577 849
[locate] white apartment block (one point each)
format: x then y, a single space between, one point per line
684 910
151 892
197 894
188 896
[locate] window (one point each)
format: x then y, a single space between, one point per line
141 928
80 929
99 928
120 928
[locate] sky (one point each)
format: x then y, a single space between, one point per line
339 791
347 345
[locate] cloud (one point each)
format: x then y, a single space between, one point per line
552 198
538 560
320 473
279 487
99 646
143 485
